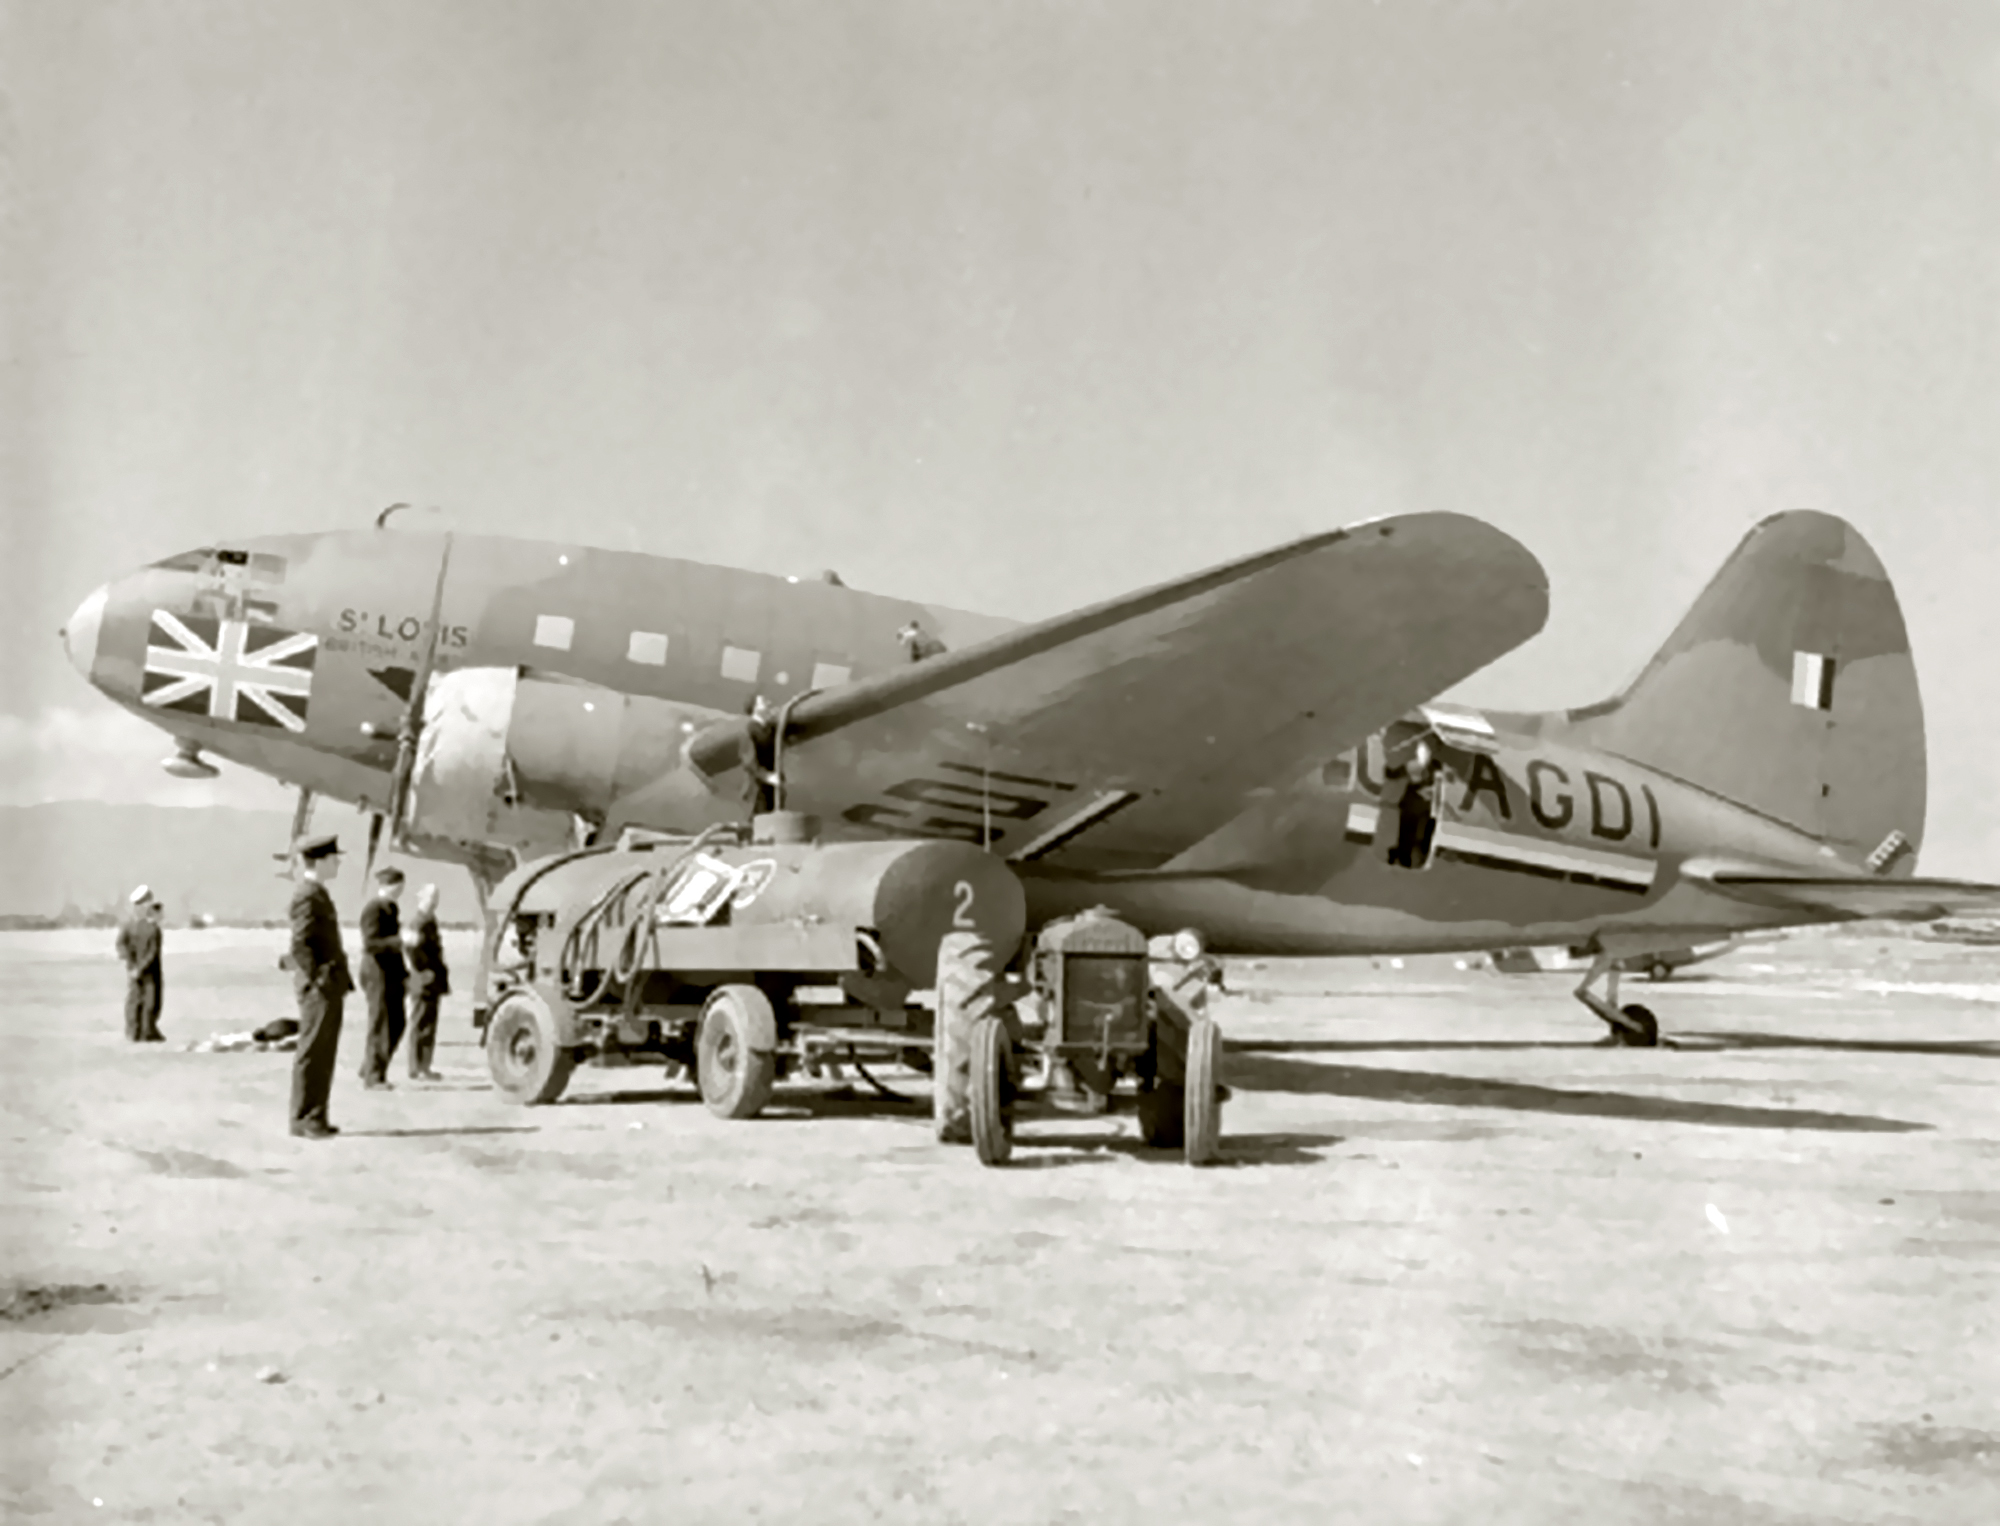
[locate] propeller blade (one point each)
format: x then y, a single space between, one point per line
374 841
413 715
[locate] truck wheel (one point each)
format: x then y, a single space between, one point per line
1202 1103
1161 1122
737 1059
527 1062
992 1102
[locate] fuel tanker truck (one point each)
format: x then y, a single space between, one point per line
745 957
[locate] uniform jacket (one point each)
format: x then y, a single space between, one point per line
139 945
318 961
427 967
382 943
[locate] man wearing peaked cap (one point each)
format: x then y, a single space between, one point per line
139 947
321 980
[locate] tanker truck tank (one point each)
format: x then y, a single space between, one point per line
739 961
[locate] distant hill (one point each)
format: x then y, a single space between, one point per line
76 858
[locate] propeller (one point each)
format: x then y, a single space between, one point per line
412 724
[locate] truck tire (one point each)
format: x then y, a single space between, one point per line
992 1089
524 1056
736 1052
1202 1103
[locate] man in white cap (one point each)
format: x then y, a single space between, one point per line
139 947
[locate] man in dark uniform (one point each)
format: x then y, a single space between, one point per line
382 976
319 975
1414 787
758 754
430 983
139 947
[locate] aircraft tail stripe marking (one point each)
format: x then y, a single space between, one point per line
1812 680
1097 810
1505 849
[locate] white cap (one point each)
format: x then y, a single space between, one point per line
141 896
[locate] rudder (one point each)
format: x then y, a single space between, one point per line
1788 688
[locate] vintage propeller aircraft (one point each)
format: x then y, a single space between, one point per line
1211 753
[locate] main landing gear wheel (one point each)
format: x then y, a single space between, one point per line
1659 969
992 1106
736 1052
1202 1100
1644 1032
527 1063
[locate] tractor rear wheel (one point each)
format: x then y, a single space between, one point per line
736 1052
1202 1102
992 1092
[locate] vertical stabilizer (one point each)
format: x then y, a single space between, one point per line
1788 688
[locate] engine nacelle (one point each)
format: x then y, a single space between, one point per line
506 755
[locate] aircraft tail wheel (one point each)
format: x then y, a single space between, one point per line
1659 969
1162 1116
1647 1035
736 1052
992 1106
523 1053
1202 1101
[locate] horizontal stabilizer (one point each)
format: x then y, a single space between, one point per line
1903 900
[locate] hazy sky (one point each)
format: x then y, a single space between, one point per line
1006 305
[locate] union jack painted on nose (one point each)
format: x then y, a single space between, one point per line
229 670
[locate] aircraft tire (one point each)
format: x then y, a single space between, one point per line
736 1052
992 1106
1648 1036
1202 1101
1659 969
1162 1116
523 1055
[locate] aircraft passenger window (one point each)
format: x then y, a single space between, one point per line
649 647
741 663
555 631
827 675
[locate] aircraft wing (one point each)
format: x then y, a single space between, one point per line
1909 900
1116 736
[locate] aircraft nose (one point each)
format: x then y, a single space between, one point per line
79 632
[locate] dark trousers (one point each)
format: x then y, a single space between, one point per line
423 1029
385 1026
142 1008
312 1062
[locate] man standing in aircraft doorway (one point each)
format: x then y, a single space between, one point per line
382 976
320 977
139 947
1416 807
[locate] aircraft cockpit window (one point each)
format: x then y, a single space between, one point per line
230 558
186 561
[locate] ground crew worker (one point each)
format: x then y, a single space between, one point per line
920 642
139 947
321 980
382 976
758 753
430 982
1416 816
